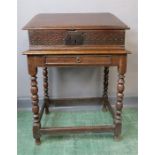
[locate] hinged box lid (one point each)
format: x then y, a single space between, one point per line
75 21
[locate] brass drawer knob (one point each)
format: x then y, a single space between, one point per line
78 60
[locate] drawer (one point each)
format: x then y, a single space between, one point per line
78 60
51 39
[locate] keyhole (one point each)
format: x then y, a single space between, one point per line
75 42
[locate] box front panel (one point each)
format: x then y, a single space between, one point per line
51 39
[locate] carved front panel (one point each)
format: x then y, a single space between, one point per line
48 39
104 37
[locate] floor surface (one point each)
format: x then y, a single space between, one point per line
78 144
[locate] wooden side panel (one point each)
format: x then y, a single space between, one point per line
78 60
34 62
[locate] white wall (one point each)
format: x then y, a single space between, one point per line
75 82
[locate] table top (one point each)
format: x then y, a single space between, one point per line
75 21
81 52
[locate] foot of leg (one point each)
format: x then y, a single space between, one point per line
104 107
46 110
117 138
37 141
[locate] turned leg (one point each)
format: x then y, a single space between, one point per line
120 95
35 109
105 91
119 106
45 85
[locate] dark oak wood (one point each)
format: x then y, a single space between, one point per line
78 60
41 111
105 91
54 39
106 77
77 39
75 21
55 31
108 105
77 101
120 89
35 109
91 51
56 130
45 85
119 106
71 60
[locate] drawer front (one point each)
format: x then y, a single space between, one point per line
78 60
48 39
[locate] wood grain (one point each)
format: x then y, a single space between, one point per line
78 60
58 130
75 21
76 51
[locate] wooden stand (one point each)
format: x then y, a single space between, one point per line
40 60
75 40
